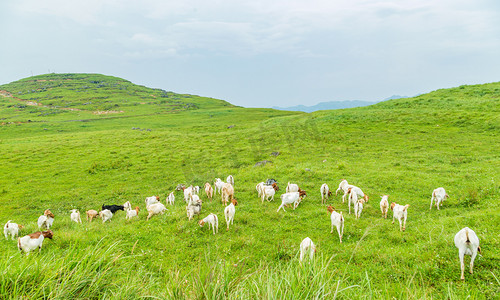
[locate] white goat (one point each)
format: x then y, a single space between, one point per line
259 187
289 198
230 179
193 208
127 206
306 246
75 216
218 185
105 215
467 242
196 190
353 199
211 219
132 213
12 229
269 191
170 198
400 212
342 187
46 221
358 208
337 221
229 212
292 187
155 209
32 241
325 192
438 195
209 191
187 193
384 206
152 200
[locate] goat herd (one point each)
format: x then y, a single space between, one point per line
466 239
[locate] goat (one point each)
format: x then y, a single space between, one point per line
342 187
269 191
105 215
400 212
384 206
91 214
353 199
187 193
218 185
358 208
230 179
196 189
127 206
337 221
75 216
152 200
193 208
171 198
132 213
155 209
438 195
227 193
289 198
113 208
209 191
259 187
306 246
211 219
32 241
292 187
467 242
325 192
229 212
46 221
12 229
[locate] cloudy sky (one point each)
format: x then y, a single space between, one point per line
258 53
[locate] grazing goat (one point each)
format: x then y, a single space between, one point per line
269 191
46 221
292 187
193 208
325 192
196 190
342 187
211 219
218 185
187 193
105 215
227 193
132 213
400 212
467 242
209 191
113 208
259 187
75 216
358 191
438 195
384 206
171 198
289 198
12 229
32 241
91 214
155 209
152 200
353 199
337 221
229 212
230 179
127 206
306 246
358 208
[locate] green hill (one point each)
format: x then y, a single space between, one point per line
404 148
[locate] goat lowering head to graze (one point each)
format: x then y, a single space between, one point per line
292 187
46 221
400 212
113 208
105 215
218 184
132 213
337 220
467 243
155 209
269 191
229 212
227 193
384 206
32 241
358 208
211 219
325 192
91 214
438 195
209 191
171 198
75 216
193 208
12 229
289 198
307 246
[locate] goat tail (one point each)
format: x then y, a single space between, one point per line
406 207
19 244
7 225
467 240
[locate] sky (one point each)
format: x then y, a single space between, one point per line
258 53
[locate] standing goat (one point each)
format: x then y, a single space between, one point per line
12 229
307 246
384 206
438 195
75 216
229 212
325 192
400 212
467 242
337 221
211 219
32 241
46 221
209 191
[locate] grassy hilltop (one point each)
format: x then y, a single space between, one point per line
81 140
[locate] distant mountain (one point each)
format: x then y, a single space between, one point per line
335 105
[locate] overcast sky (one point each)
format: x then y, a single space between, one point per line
258 53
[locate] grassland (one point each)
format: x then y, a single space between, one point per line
63 159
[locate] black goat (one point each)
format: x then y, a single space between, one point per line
113 208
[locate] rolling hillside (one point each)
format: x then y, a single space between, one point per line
403 148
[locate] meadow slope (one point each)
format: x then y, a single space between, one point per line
403 148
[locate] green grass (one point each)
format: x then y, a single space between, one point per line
404 148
